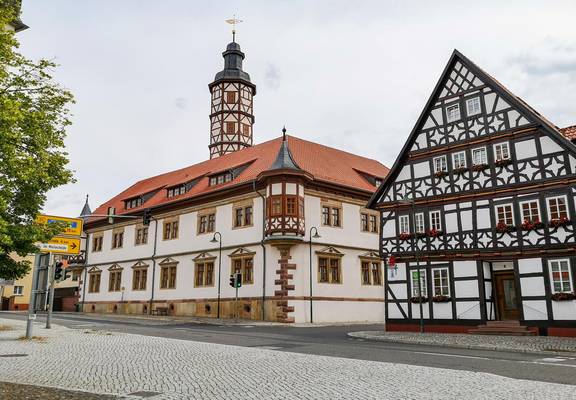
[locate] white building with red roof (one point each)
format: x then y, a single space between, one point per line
287 215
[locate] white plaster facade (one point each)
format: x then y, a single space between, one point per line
347 301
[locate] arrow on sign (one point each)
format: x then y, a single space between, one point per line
73 245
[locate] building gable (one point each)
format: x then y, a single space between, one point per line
484 108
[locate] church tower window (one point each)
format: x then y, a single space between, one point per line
230 97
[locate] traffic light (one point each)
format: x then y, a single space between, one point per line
146 217
236 280
58 270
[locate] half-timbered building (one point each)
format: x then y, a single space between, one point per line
287 214
477 213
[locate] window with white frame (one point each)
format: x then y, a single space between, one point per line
440 282
453 112
473 106
459 160
504 214
501 151
557 207
440 164
479 156
419 222
18 290
419 289
435 221
530 211
561 275
403 224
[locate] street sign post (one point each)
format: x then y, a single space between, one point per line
73 225
61 245
67 242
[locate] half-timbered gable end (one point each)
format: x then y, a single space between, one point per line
482 177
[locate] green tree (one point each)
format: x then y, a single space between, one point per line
34 116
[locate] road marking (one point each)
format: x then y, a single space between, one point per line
555 359
544 363
451 355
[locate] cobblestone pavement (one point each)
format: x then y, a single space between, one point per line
12 391
121 364
523 344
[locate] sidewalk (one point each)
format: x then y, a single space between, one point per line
522 344
156 368
196 320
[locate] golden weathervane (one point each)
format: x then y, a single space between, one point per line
233 21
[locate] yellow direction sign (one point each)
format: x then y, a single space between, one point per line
61 245
73 225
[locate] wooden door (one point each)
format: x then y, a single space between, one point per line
506 296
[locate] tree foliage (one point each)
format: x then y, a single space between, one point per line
34 116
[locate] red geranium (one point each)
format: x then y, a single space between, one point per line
555 222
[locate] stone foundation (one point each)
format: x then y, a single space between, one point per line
250 309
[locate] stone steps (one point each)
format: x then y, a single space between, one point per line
504 328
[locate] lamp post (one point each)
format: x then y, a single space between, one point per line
219 240
406 200
316 236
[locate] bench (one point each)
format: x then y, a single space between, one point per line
160 311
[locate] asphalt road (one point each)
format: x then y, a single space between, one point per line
333 341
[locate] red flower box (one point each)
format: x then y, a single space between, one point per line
503 162
556 222
405 236
440 174
528 225
480 167
418 299
504 228
434 233
441 299
563 296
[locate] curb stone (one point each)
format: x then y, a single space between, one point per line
380 338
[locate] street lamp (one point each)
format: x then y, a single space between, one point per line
219 240
409 201
316 236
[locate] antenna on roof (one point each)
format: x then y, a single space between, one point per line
233 21
284 133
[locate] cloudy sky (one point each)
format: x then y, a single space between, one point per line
349 74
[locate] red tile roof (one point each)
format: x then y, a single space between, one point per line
323 163
569 132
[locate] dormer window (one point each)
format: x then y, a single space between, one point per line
453 112
377 182
133 203
176 190
221 178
